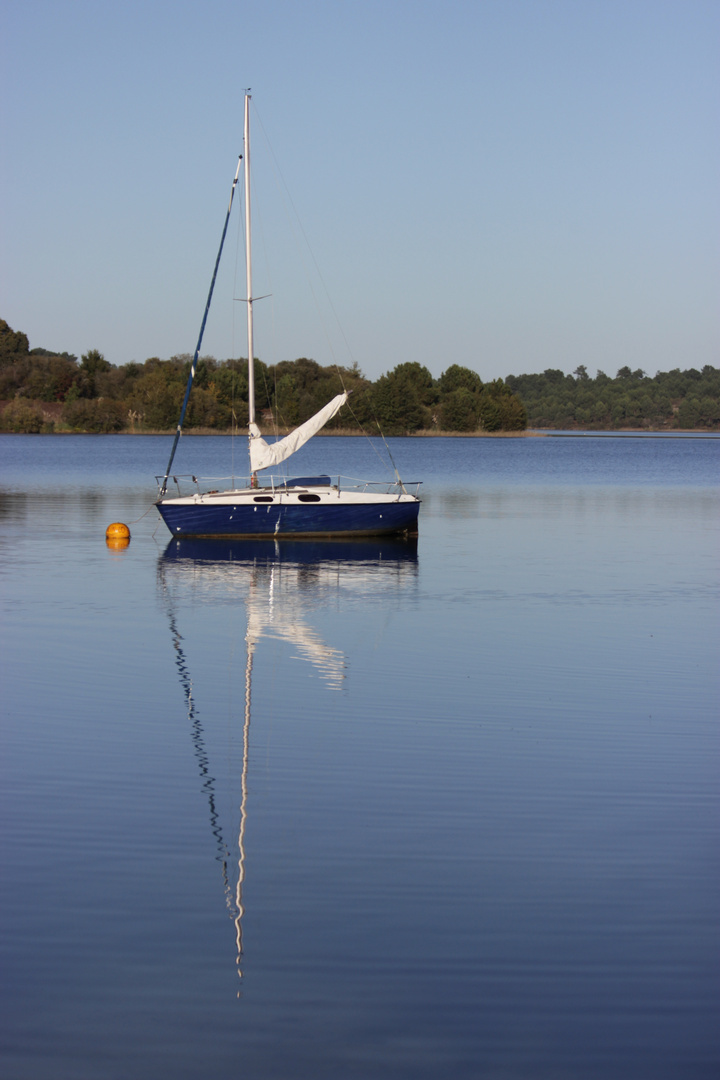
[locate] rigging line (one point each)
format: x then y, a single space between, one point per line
372 444
392 459
202 331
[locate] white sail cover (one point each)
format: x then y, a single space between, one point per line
263 455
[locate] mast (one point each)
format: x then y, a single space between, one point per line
248 267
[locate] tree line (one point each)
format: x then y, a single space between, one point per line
95 396
47 391
675 399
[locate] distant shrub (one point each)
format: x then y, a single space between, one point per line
96 416
21 417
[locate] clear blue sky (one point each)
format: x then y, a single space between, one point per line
506 184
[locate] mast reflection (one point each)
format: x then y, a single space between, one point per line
276 581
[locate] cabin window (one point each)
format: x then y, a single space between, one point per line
262 498
308 498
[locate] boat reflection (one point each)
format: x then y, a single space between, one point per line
367 551
280 583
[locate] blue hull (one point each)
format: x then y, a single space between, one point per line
277 521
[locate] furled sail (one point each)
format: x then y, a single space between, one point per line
263 455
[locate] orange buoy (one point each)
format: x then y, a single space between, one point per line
117 531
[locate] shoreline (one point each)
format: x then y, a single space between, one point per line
534 433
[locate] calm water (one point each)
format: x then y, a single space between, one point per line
363 811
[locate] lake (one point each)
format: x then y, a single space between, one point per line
368 810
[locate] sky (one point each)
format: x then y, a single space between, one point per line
510 185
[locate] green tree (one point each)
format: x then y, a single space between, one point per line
490 415
231 384
287 401
600 412
402 398
206 410
688 414
457 377
14 345
513 414
92 364
157 397
459 410
102 415
39 377
709 412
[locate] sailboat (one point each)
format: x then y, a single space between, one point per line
274 506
